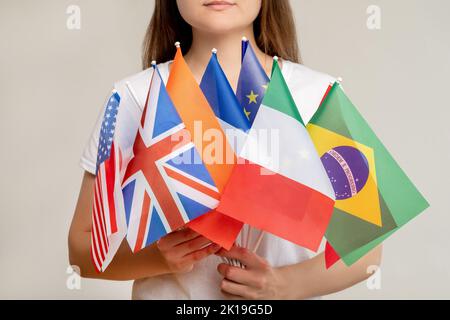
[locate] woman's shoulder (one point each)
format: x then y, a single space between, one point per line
307 86
306 74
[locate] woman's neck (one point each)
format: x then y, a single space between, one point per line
228 52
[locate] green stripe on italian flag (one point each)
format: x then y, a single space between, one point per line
282 186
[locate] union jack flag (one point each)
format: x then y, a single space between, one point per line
166 183
104 213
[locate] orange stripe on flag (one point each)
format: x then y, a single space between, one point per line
194 109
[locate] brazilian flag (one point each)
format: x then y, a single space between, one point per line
374 197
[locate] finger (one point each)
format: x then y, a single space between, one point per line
237 289
248 258
238 275
177 237
192 245
202 253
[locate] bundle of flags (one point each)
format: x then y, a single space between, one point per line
213 160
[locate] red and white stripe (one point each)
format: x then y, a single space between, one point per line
105 213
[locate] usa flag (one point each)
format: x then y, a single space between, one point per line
106 205
166 183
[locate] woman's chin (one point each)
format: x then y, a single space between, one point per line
222 26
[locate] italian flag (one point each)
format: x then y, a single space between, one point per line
280 185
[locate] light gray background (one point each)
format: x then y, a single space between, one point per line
53 83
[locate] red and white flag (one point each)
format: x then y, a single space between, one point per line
108 223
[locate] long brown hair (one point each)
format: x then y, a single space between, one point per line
274 30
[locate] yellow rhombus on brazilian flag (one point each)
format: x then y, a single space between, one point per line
374 197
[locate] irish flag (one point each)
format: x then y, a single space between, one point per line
210 141
280 185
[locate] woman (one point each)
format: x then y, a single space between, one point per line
184 264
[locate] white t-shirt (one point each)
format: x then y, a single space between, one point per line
308 88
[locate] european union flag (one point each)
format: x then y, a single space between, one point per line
252 82
221 97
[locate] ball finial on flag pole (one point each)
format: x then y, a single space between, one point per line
177 44
244 38
275 58
154 64
339 80
214 51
